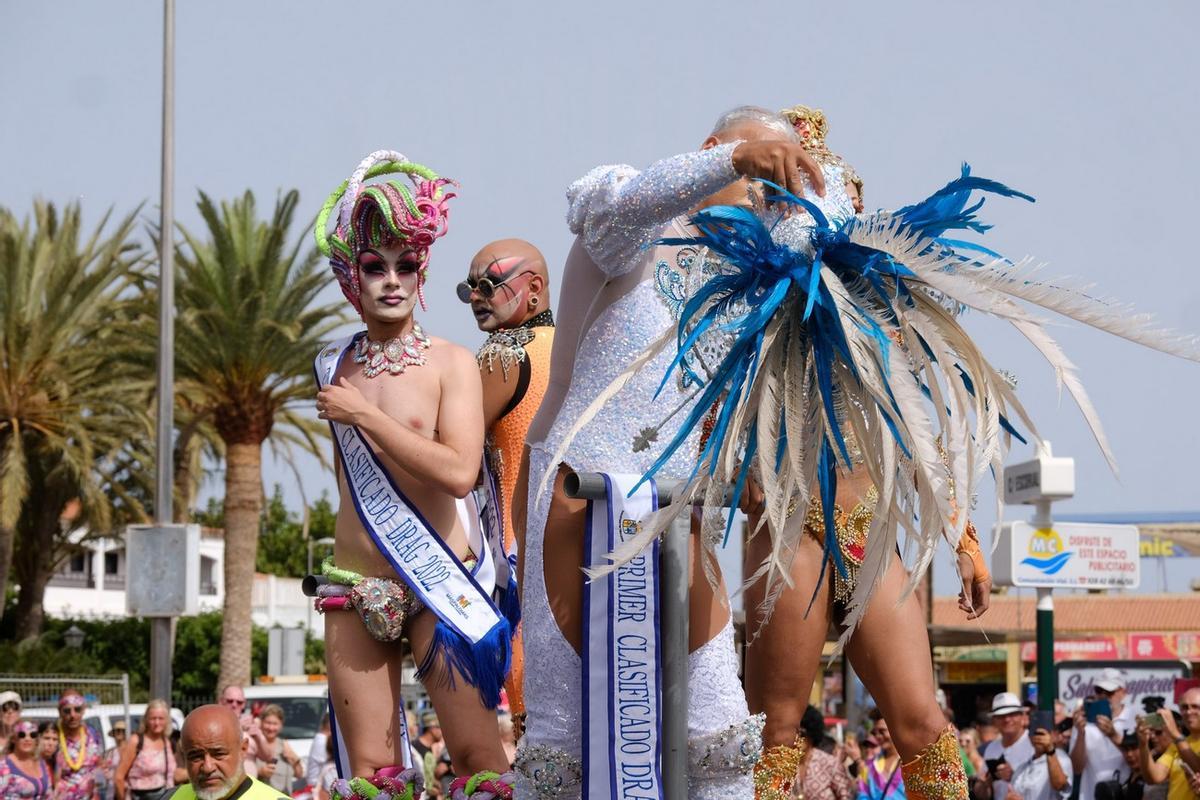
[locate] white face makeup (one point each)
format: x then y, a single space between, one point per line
388 277
498 291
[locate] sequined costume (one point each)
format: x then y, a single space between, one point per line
524 350
614 309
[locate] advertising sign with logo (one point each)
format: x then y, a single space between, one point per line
1068 554
1102 648
1142 679
1185 646
1173 541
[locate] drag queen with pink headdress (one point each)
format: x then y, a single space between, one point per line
412 557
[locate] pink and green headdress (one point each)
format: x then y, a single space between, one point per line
389 212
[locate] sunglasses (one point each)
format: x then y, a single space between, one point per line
230 702
485 287
70 709
10 706
27 734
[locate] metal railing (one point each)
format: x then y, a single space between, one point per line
673 592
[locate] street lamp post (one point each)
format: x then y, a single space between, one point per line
161 628
1039 483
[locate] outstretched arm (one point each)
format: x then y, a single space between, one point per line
616 209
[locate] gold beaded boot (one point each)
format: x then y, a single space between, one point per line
937 773
775 772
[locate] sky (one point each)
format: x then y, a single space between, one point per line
1090 107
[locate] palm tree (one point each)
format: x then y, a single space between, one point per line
249 328
73 428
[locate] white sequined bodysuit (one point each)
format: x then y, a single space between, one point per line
615 211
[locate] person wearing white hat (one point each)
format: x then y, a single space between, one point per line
1096 746
1012 749
10 712
1032 768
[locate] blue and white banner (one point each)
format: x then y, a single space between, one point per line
622 669
488 500
403 536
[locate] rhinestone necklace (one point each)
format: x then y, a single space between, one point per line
393 356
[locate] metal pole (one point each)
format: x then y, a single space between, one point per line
308 568
1047 677
161 627
673 592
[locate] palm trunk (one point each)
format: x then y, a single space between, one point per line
243 506
6 556
38 550
34 567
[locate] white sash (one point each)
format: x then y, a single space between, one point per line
622 670
478 635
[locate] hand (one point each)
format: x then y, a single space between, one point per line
852 750
1080 719
342 402
1043 742
1143 732
1194 783
780 162
1004 771
1169 724
979 594
1106 726
1012 794
265 770
752 498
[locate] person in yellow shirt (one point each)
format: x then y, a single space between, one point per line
1181 761
212 750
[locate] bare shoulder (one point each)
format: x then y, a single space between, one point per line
450 356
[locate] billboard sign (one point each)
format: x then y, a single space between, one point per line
1077 555
1142 679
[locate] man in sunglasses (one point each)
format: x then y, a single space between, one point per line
77 764
233 698
508 289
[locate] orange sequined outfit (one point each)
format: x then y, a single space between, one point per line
524 357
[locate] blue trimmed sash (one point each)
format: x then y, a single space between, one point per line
622 670
471 636
506 594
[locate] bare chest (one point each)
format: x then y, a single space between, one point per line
411 398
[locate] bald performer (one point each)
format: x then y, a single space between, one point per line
508 289
212 751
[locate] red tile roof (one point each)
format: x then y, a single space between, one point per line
1081 613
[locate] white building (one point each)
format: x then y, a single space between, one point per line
91 583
